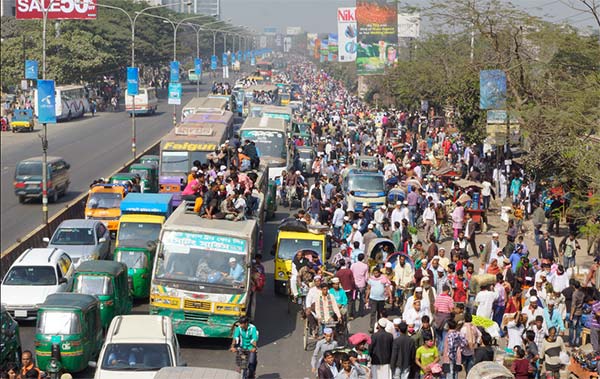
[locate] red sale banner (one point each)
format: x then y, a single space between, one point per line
57 9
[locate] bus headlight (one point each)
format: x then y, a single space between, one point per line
281 274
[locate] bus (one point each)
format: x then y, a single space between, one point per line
71 102
203 105
274 111
181 147
265 69
146 101
193 78
223 117
201 277
270 138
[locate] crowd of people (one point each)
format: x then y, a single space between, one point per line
446 293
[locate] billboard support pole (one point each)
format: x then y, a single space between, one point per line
45 127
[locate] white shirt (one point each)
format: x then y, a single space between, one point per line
338 217
487 188
425 307
312 295
412 317
396 217
404 213
429 214
560 282
485 300
379 216
514 334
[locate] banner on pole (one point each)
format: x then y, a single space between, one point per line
198 66
492 89
133 81
175 91
214 62
46 102
174 72
225 59
31 70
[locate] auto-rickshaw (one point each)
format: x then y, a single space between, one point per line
9 340
68 332
123 178
379 249
108 281
22 120
150 159
148 173
139 259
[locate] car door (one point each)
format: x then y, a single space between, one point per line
104 247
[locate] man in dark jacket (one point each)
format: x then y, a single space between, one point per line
381 349
328 369
403 354
249 149
548 248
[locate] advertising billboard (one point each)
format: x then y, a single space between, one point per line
317 49
346 18
377 40
333 47
492 89
293 30
311 38
409 25
57 10
324 50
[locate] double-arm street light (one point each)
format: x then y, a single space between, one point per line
199 28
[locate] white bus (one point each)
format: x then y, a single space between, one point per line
270 137
71 102
146 101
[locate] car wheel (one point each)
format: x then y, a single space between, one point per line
21 199
54 198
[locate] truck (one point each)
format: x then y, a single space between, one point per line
202 274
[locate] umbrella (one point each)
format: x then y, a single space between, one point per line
357 338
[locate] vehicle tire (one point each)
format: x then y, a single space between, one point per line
54 197
21 199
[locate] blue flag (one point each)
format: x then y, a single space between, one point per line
46 102
133 81
174 72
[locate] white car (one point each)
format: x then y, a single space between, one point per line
137 346
36 274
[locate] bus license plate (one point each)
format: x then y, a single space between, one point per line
195 331
20 313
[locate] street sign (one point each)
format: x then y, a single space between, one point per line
198 66
174 78
46 102
133 81
175 91
224 59
213 62
57 10
252 59
31 70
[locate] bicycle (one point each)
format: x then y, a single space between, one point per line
242 361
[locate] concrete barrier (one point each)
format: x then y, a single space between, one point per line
75 209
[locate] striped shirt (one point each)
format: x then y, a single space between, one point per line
594 322
444 303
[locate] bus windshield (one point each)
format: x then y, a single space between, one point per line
174 161
104 200
138 231
204 259
268 143
366 183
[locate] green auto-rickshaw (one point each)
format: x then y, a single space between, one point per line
108 281
10 343
123 178
148 173
69 330
139 258
150 159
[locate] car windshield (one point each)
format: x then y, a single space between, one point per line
29 169
202 258
136 357
133 259
73 236
174 161
366 183
54 322
138 231
305 154
30 276
268 143
288 247
93 285
104 200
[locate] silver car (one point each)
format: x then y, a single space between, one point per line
82 239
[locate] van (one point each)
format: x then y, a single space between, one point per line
28 178
146 101
137 346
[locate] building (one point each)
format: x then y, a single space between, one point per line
207 7
7 8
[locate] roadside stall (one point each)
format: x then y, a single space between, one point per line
469 194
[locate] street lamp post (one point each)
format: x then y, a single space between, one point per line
198 28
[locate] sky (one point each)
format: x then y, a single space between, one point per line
319 16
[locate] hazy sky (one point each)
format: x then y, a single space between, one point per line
320 15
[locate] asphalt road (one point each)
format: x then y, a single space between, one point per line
280 353
94 146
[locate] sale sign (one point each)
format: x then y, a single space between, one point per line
57 9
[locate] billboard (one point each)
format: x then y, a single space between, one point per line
311 38
333 47
346 18
409 25
270 31
317 49
57 10
492 89
324 50
293 30
377 41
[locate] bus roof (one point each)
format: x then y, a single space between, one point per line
206 130
207 104
277 109
264 123
147 203
222 117
194 142
183 221
262 87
